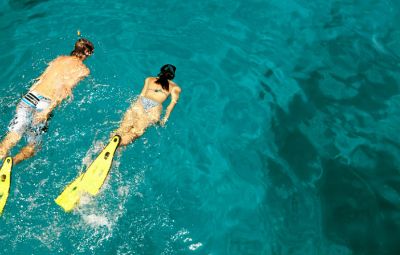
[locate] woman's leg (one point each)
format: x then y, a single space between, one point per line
135 132
130 118
136 120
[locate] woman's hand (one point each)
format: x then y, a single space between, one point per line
163 122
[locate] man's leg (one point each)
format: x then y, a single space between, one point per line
8 143
35 138
25 153
16 129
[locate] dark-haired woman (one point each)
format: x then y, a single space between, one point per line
147 109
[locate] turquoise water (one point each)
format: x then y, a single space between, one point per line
284 141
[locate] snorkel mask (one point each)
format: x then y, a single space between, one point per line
168 70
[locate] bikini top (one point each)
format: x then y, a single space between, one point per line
160 90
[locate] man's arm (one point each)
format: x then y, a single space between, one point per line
43 75
175 93
83 74
44 115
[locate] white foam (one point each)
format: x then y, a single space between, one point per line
97 220
195 246
180 234
85 199
188 239
123 191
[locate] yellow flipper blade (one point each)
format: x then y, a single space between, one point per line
90 181
97 172
5 181
71 195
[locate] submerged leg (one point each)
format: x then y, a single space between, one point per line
17 128
126 137
25 153
136 120
8 143
133 120
131 136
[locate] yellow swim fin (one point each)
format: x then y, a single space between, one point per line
97 172
5 181
71 195
90 181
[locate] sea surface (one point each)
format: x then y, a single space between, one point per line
285 140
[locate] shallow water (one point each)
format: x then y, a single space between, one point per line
284 141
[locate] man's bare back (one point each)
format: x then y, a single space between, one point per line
60 77
50 89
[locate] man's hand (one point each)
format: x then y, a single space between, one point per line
40 117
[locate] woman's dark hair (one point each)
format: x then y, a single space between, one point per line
167 72
83 47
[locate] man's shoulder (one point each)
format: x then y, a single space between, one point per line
69 60
62 58
86 70
69 64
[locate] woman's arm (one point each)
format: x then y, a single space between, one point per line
175 93
145 86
